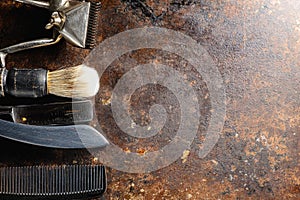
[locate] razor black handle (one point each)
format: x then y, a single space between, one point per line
23 82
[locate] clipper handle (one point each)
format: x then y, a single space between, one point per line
50 5
42 4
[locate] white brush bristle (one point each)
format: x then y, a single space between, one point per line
73 82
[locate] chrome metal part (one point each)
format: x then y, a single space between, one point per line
27 45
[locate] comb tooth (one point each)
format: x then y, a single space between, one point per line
60 180
33 183
79 178
9 181
61 189
51 177
12 180
76 178
25 190
71 180
35 176
40 182
85 175
97 175
88 177
93 24
4 181
65 188
43 180
66 176
65 182
26 181
1 182
17 169
103 179
21 180
82 178
6 187
15 172
28 190
55 183
93 178
20 191
31 180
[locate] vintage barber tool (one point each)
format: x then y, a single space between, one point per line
63 137
58 113
73 82
52 182
75 21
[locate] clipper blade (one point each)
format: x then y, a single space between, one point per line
78 23
52 182
93 25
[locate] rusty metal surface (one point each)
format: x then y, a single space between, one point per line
256 46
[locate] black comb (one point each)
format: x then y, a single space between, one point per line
52 182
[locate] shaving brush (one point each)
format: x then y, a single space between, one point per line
73 82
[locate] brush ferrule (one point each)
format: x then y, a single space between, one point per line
3 73
26 82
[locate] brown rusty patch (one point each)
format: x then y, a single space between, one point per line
256 46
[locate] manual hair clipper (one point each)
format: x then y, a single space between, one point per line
75 21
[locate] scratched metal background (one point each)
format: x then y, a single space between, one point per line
256 45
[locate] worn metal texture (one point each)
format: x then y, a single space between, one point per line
256 47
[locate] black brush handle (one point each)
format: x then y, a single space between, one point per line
24 82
